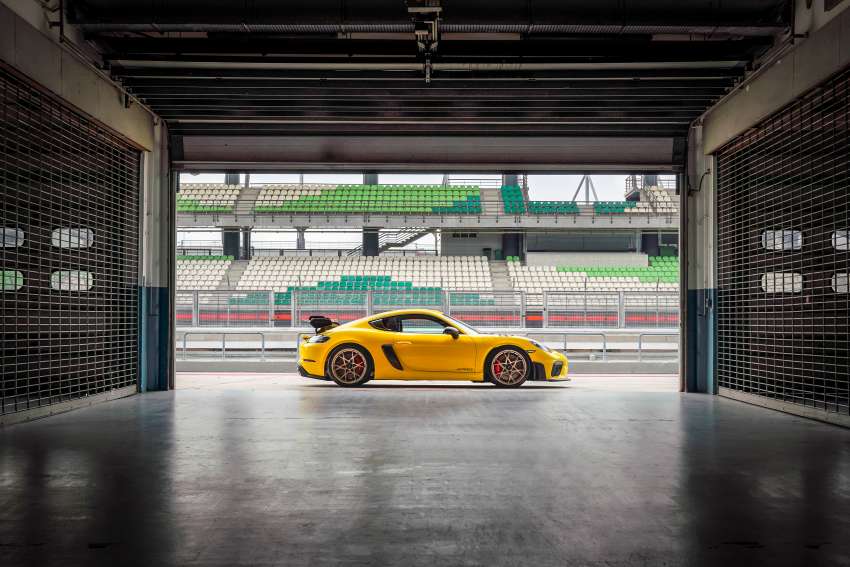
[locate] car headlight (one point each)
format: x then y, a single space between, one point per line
539 345
318 339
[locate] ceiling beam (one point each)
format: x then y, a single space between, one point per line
695 73
392 14
564 49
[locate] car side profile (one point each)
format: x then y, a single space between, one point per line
423 344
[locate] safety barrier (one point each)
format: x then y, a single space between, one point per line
610 310
485 309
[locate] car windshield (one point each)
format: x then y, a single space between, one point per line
463 326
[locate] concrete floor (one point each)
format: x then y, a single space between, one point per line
258 470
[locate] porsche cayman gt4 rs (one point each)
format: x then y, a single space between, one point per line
421 344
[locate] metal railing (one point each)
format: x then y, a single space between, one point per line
485 309
615 309
565 338
340 252
637 182
485 209
224 335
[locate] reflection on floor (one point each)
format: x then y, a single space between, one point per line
278 470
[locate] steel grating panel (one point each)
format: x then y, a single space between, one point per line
783 308
68 252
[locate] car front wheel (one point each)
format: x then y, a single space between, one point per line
507 367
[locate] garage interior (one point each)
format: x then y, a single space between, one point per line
103 104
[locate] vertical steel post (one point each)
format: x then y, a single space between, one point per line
621 310
657 300
584 317
522 309
196 309
218 304
271 308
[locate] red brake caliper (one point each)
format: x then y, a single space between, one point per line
497 367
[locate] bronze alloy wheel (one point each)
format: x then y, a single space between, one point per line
508 367
349 366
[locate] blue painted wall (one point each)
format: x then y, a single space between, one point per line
701 335
155 347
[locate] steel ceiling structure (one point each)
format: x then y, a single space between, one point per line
435 68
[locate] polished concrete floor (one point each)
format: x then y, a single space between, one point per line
284 471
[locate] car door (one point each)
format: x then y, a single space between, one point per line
423 348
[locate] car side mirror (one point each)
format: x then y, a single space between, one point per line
451 331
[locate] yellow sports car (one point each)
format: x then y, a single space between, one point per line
421 344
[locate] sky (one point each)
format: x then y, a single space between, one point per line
549 187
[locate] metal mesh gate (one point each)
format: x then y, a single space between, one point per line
68 252
783 308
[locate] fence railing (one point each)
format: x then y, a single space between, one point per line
494 208
485 309
606 310
596 345
337 252
637 182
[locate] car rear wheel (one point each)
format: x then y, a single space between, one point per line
349 365
507 367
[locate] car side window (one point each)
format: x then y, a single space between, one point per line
392 324
421 325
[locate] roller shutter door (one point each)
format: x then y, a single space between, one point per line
69 223
783 190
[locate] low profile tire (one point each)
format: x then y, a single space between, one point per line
507 367
349 365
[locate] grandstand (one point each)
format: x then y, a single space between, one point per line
662 273
201 272
361 273
207 198
273 204
658 202
270 288
427 199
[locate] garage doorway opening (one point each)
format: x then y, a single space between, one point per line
586 265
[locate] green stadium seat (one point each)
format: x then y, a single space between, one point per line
427 199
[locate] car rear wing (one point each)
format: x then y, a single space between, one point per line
322 323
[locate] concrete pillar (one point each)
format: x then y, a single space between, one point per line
231 178
246 243
300 241
157 270
230 242
697 260
370 241
370 177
